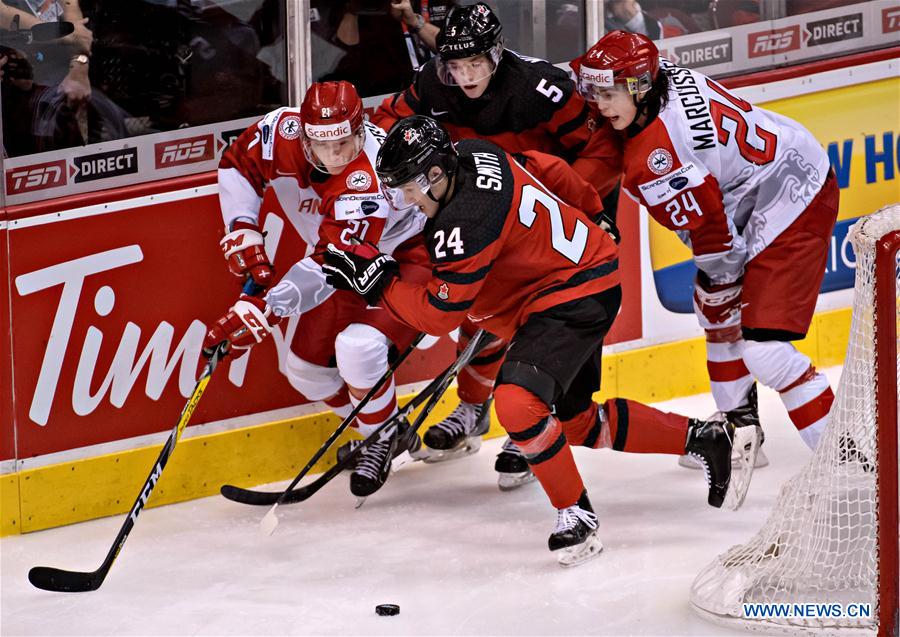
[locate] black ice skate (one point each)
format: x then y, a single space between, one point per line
849 453
395 447
512 468
345 450
743 416
459 434
374 465
576 533
711 443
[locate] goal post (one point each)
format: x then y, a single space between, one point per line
830 544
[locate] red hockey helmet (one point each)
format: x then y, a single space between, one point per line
333 133
630 60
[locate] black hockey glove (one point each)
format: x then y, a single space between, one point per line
361 269
607 224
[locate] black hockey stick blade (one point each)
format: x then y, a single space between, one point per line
58 580
268 498
62 581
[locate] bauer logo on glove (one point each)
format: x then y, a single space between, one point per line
361 269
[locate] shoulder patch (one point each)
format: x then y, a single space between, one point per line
661 190
659 161
267 126
359 180
289 127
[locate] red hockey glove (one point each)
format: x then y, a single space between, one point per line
717 305
361 269
247 323
245 253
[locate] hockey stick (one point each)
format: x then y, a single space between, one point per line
270 521
248 496
54 579
299 494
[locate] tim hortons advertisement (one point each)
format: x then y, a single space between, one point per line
108 329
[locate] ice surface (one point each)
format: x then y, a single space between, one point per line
457 555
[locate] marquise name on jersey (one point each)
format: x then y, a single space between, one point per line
694 104
661 190
490 175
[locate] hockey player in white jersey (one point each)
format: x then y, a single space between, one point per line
751 193
326 152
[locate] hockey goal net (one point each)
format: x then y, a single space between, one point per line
832 536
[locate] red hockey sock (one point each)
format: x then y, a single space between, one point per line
639 428
340 403
584 428
476 380
539 435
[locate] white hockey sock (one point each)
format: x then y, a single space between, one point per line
730 380
806 394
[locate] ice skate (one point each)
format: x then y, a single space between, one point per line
576 536
345 450
459 434
512 468
746 415
395 447
711 442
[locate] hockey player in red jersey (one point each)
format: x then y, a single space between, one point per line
477 89
751 193
340 349
525 265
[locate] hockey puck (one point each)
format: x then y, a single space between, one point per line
387 609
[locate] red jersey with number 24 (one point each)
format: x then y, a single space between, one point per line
505 246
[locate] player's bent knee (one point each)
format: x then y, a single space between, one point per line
313 381
362 355
528 377
775 364
518 408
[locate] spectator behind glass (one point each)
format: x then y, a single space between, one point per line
174 64
627 15
52 91
374 44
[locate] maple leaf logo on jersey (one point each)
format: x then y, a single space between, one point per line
443 292
410 136
660 161
359 180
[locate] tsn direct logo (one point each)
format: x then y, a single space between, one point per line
35 177
774 41
184 151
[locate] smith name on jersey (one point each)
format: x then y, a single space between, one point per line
503 248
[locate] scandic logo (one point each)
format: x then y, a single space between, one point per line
35 177
774 41
184 151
